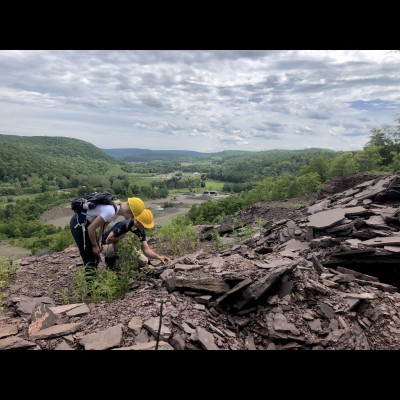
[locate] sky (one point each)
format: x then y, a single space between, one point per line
200 100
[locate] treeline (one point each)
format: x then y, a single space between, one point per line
380 155
38 164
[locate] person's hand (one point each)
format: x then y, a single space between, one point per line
164 259
96 250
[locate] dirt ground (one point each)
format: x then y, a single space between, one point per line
7 250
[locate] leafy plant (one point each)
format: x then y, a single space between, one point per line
128 263
261 222
64 295
106 284
179 237
216 239
81 285
242 233
8 268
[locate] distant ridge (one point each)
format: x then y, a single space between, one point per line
150 155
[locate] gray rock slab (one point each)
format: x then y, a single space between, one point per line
318 207
168 273
393 249
365 184
364 296
315 325
326 219
345 200
341 227
103 340
42 318
8 330
373 190
142 337
177 342
280 262
294 244
376 221
58 310
63 346
15 342
203 299
152 326
56 331
77 311
249 342
327 310
185 267
280 323
207 284
383 241
353 211
135 324
26 307
353 203
351 192
206 339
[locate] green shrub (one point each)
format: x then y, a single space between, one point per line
8 268
108 285
178 238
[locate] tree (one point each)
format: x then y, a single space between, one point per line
306 184
380 139
368 159
343 165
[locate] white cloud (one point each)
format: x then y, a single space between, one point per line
201 100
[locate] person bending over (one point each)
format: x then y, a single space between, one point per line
138 227
84 228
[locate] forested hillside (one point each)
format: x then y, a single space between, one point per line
34 169
146 155
43 163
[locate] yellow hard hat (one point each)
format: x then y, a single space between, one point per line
146 218
136 205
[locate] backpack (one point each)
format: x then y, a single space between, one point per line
90 200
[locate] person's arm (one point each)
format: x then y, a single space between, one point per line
96 223
150 253
111 238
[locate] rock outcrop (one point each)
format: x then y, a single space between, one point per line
323 276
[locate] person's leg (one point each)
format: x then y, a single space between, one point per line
82 240
109 252
143 260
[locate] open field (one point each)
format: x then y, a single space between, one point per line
7 250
